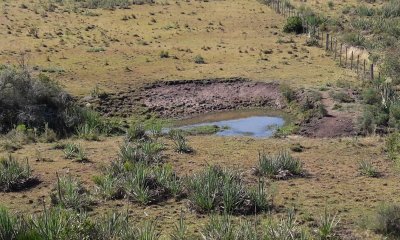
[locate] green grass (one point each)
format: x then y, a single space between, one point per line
366 168
75 151
281 164
204 130
180 142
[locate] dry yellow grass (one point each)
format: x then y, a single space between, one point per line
332 164
230 35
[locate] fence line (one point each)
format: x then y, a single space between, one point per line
329 42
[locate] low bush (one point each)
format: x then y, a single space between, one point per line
393 146
198 59
15 175
219 190
327 225
145 152
34 102
280 166
386 220
293 25
286 228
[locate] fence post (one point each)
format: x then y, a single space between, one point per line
358 62
364 68
322 39
372 72
335 48
351 64
340 54
327 42
345 63
331 43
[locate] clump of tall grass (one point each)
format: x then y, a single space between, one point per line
145 152
11 227
15 175
282 165
69 193
75 151
327 225
286 228
136 132
108 186
219 190
180 142
366 168
223 227
180 229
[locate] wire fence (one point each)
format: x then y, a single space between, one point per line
347 56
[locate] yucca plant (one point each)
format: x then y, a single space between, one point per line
14 175
136 132
203 189
281 164
233 192
180 142
147 231
327 225
286 228
108 186
75 151
219 227
261 197
114 226
145 152
367 169
57 223
10 226
136 185
69 193
88 132
180 229
168 178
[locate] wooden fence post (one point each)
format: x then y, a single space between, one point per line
327 42
331 42
335 48
358 62
351 64
345 63
372 72
364 68
340 54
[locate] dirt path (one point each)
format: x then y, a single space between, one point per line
335 124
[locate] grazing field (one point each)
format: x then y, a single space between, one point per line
95 97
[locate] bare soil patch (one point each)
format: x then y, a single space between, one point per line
180 99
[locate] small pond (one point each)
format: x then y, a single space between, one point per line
244 123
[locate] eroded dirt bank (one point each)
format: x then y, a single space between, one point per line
180 99
183 99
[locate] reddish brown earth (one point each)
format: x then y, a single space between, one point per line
334 124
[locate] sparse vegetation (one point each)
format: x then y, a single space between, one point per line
15 175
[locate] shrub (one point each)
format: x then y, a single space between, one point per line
280 166
293 25
145 152
387 220
393 146
15 175
34 102
371 96
135 132
109 186
198 59
69 193
164 54
288 93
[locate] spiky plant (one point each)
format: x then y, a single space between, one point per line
14 175
327 225
180 229
273 165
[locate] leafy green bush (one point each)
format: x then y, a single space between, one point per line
393 146
293 25
282 165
